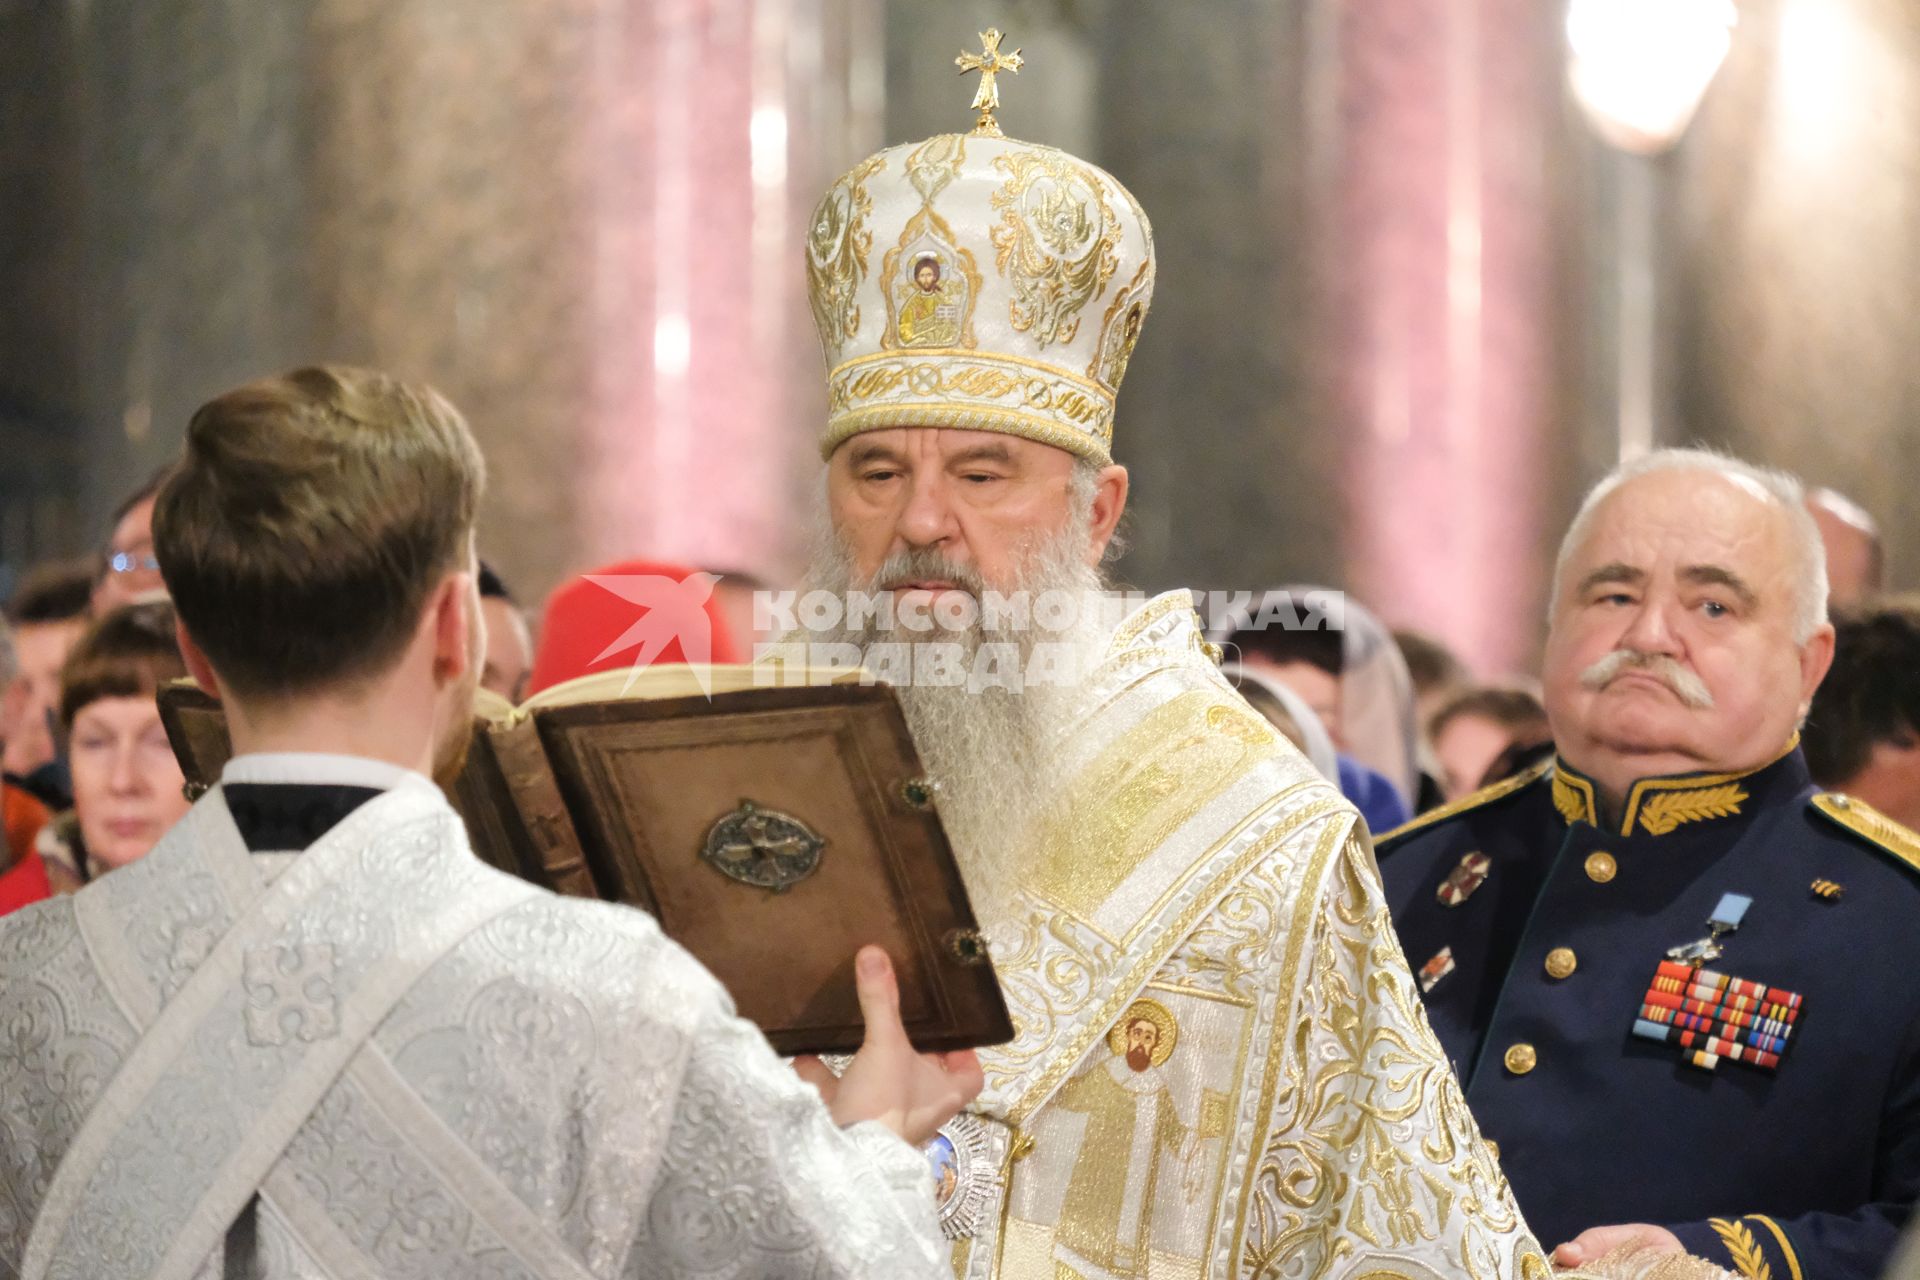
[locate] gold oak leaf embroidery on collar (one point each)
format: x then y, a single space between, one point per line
1667 810
1749 1259
1568 800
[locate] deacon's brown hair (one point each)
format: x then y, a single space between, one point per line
309 519
129 653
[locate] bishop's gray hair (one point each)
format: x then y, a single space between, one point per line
1810 573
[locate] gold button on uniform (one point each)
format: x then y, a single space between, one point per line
1601 867
1521 1059
1561 962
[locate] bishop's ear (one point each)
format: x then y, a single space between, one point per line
1109 503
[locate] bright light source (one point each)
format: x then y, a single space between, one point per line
1640 67
672 346
767 140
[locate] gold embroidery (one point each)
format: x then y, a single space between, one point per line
1080 968
1026 426
1574 801
1486 795
837 247
1173 605
1120 328
969 390
1749 1259
1055 243
1863 819
1664 811
1651 1264
1141 789
1344 1136
1128 1132
1231 945
1786 1249
1355 1069
1643 790
935 163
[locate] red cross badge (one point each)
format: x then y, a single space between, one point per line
1468 876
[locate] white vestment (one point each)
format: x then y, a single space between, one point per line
388 1060
1198 882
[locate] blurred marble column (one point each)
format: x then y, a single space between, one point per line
1438 277
42 461
582 218
578 218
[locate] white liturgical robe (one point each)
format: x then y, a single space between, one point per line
389 1060
1220 1066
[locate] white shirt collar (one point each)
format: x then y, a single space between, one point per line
320 768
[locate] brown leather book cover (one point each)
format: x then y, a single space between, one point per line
771 831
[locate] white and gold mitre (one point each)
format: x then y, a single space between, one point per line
979 282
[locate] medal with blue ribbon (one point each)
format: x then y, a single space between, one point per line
1725 919
1710 1015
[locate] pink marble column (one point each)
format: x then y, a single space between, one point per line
1439 286
582 221
720 120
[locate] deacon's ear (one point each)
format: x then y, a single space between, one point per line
197 665
454 625
1109 502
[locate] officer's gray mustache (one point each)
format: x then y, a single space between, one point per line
1686 686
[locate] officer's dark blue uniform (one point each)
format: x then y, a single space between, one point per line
1542 963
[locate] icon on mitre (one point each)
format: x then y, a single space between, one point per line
929 306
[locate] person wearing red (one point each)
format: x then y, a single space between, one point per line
127 786
22 816
633 613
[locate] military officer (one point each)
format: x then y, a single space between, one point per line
1676 980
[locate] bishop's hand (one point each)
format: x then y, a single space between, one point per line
911 1093
1597 1242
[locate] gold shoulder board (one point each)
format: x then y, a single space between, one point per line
1866 821
1485 795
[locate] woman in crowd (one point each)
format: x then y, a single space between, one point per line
127 786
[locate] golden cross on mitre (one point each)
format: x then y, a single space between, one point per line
989 63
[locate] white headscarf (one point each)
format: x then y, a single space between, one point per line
1377 722
1316 745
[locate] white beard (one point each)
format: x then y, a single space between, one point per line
990 749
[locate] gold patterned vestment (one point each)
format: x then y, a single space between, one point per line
1220 1065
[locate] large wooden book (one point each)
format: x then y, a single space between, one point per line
771 830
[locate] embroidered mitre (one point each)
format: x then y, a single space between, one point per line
975 281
